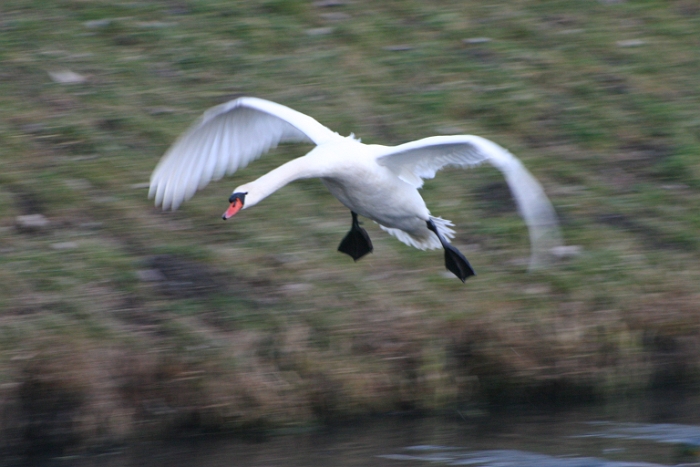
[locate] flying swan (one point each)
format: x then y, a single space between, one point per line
374 181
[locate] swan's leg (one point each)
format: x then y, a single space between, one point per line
356 243
455 261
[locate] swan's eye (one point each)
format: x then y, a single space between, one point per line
237 196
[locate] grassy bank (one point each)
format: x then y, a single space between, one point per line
119 320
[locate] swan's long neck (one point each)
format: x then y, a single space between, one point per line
296 169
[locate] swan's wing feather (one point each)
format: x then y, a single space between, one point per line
227 138
418 160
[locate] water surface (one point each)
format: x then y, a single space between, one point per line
650 433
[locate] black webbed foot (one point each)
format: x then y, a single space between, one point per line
356 243
455 262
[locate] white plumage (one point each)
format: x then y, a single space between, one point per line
378 182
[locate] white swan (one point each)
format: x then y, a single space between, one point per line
377 182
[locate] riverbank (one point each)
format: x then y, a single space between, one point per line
69 393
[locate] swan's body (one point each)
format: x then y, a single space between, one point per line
374 181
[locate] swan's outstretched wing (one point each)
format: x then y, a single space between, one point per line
418 160
226 138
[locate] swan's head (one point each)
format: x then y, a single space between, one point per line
237 201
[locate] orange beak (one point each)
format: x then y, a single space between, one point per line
236 206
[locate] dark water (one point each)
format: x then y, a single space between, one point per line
660 432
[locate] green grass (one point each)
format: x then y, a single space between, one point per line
610 128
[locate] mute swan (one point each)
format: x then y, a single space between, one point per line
377 182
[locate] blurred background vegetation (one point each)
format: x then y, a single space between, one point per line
119 320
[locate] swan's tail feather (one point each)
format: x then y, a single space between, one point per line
444 227
430 240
